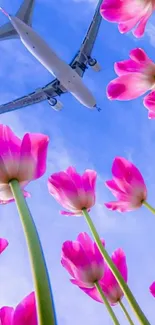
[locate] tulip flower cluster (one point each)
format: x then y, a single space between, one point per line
101 277
137 75
83 260
90 267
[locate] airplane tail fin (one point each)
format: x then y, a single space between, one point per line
25 14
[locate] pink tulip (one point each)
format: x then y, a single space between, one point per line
135 77
24 160
73 191
127 186
3 244
23 314
152 289
108 283
149 103
83 261
128 14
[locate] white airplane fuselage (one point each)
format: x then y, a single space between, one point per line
55 65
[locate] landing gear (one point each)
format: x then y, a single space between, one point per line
82 66
57 89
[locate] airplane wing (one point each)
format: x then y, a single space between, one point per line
25 11
80 61
52 89
7 32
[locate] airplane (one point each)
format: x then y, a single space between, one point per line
68 77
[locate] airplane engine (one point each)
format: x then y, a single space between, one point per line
56 104
94 65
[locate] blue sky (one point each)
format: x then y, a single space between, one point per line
85 139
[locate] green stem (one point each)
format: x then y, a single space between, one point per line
44 299
148 206
127 292
98 288
126 313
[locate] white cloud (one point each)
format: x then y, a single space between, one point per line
150 31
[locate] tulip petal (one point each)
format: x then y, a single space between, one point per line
85 241
90 248
126 26
119 206
120 188
78 182
97 255
25 312
77 262
89 180
109 283
65 192
152 289
6 316
39 146
80 259
8 140
71 214
149 101
26 194
74 176
6 194
93 293
121 167
140 29
151 115
33 153
124 169
119 259
89 184
117 10
113 186
67 264
3 244
9 153
61 182
128 66
79 283
138 55
128 86
85 185
26 159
